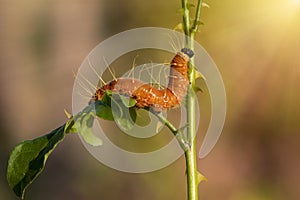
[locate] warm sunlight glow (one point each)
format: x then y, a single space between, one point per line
295 2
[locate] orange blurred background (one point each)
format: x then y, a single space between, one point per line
256 46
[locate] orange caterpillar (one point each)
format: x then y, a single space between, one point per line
148 96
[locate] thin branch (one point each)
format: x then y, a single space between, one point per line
197 18
186 19
178 133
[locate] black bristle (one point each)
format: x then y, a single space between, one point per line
188 52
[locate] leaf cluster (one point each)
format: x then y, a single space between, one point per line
28 159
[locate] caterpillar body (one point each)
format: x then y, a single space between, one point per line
147 95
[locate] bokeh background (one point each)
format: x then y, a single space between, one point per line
256 46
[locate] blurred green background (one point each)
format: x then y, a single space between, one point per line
256 46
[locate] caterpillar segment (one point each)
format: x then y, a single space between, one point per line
147 95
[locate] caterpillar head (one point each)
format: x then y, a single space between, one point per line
188 52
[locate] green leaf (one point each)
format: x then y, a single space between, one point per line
127 102
27 160
126 121
85 128
112 107
106 99
118 108
103 111
123 111
70 128
83 123
109 96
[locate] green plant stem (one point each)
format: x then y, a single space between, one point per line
166 122
178 133
197 18
186 18
190 153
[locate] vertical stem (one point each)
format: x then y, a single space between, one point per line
190 153
186 20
